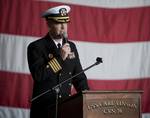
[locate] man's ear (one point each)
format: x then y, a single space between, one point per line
48 23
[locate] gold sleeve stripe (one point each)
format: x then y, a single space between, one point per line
52 66
65 17
57 64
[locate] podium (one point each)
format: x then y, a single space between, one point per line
102 104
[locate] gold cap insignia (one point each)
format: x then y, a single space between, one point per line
63 11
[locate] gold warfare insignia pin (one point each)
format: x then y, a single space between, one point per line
71 55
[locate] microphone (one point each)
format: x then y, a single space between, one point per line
65 35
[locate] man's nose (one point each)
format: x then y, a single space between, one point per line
62 26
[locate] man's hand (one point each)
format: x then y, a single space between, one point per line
65 51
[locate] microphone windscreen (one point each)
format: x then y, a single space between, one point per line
65 35
98 59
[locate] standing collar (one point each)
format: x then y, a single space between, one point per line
57 41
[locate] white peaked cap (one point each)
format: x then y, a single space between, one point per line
58 13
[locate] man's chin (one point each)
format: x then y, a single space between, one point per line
59 36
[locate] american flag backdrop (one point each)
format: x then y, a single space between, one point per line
116 30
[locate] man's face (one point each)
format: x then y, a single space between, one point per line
57 29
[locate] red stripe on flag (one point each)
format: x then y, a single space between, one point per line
87 23
16 89
135 84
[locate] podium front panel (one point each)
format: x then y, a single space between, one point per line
112 105
102 104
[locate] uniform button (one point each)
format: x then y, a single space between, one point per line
70 84
60 96
50 56
47 66
59 74
69 95
69 73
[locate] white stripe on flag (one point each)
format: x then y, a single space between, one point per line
10 112
120 60
13 51
107 3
